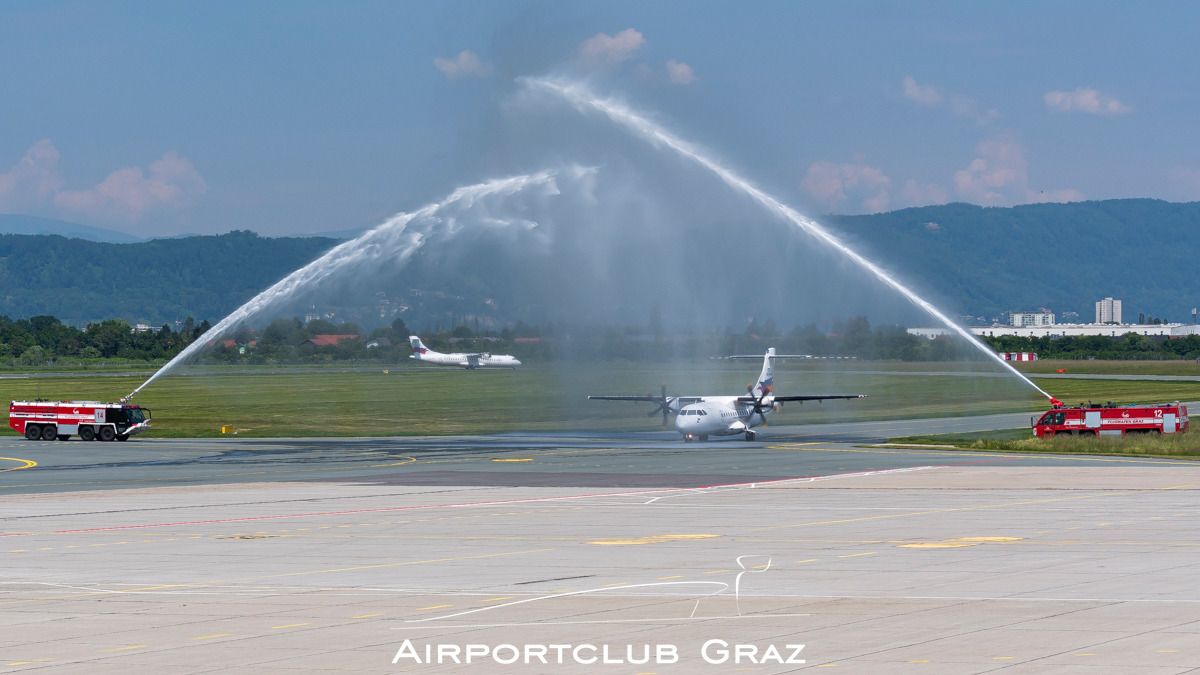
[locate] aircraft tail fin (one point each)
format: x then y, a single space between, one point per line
418 347
766 379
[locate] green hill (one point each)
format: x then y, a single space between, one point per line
986 260
149 282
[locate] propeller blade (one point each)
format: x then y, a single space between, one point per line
664 424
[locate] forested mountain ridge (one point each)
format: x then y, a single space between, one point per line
153 282
985 260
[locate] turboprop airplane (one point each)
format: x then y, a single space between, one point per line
702 416
469 361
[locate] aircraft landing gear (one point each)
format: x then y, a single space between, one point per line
750 435
688 438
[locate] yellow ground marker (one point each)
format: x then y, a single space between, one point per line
1085 655
855 555
619 583
209 637
365 616
1000 658
961 542
29 463
121 649
422 609
21 663
718 571
510 597
677 576
809 560
290 625
512 460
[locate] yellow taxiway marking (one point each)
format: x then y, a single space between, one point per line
209 637
29 463
920 662
365 616
510 597
512 460
1000 658
619 583
809 560
677 576
121 649
855 555
21 663
718 571
290 625
422 609
1167 651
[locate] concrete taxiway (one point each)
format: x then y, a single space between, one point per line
326 555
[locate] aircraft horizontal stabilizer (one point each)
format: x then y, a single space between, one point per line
757 357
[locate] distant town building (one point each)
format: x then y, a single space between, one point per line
1108 311
1167 330
1042 318
323 340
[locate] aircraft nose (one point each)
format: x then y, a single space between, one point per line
516 362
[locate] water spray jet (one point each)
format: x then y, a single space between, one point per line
582 98
392 238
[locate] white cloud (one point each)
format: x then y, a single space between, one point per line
1086 101
466 64
923 194
33 179
680 73
922 94
962 106
603 50
832 184
999 177
126 195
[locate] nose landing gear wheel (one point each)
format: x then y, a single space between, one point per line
750 435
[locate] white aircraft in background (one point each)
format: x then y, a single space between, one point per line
468 361
703 416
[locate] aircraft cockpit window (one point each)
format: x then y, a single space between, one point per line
703 412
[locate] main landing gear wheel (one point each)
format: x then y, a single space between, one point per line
33 432
87 433
107 434
49 432
750 435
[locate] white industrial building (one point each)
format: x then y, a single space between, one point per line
1068 329
1042 318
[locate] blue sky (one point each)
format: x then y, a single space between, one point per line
161 118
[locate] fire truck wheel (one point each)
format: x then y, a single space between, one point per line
87 433
49 432
122 437
107 434
33 432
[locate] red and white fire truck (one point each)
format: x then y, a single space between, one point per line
50 420
1112 420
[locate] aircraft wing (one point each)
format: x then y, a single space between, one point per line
813 397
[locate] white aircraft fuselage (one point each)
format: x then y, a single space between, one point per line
470 361
698 417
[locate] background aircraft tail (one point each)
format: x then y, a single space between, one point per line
766 379
418 347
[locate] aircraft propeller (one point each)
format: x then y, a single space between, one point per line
664 405
758 406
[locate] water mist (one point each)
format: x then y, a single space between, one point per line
393 239
582 98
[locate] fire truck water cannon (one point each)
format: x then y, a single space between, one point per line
42 420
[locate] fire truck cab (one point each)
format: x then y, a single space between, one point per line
91 420
1112 420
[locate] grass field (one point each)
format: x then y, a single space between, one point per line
547 397
1179 446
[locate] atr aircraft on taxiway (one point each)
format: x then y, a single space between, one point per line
702 416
